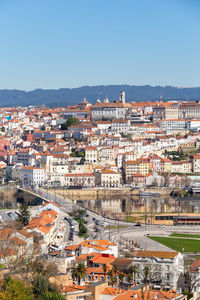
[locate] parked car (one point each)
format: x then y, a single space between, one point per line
138 224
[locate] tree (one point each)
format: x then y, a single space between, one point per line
13 288
115 270
82 229
69 122
24 214
41 267
150 277
82 161
52 296
190 280
112 278
130 278
121 278
43 288
146 275
105 268
81 154
134 270
73 154
79 272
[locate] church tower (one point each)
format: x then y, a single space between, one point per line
122 97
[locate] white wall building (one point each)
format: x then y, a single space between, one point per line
32 176
166 267
108 178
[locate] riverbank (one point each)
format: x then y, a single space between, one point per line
95 193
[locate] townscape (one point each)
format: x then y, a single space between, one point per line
139 161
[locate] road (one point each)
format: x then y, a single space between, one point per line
131 232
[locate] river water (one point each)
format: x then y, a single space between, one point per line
122 205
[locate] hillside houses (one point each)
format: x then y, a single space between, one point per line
108 133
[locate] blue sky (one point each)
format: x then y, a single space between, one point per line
71 43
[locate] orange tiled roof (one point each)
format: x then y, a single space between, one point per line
112 291
159 254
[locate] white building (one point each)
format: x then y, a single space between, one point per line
196 163
91 154
166 267
108 178
173 125
31 175
120 126
181 167
82 179
108 111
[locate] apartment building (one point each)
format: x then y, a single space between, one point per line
195 163
181 167
189 110
108 178
23 156
165 111
108 111
31 176
166 268
91 154
120 126
139 166
173 125
82 179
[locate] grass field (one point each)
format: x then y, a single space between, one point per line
189 245
185 235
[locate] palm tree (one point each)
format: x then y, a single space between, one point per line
112 278
115 269
134 271
121 278
130 278
146 274
79 272
105 268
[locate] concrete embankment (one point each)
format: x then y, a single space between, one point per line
96 193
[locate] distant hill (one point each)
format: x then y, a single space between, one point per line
66 96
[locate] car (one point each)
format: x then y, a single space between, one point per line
95 227
87 215
162 226
138 224
95 236
93 219
86 222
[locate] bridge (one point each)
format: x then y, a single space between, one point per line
40 195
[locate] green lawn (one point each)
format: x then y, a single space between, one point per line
189 245
185 235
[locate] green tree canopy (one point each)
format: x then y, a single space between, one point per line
79 272
24 214
69 122
43 288
15 289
